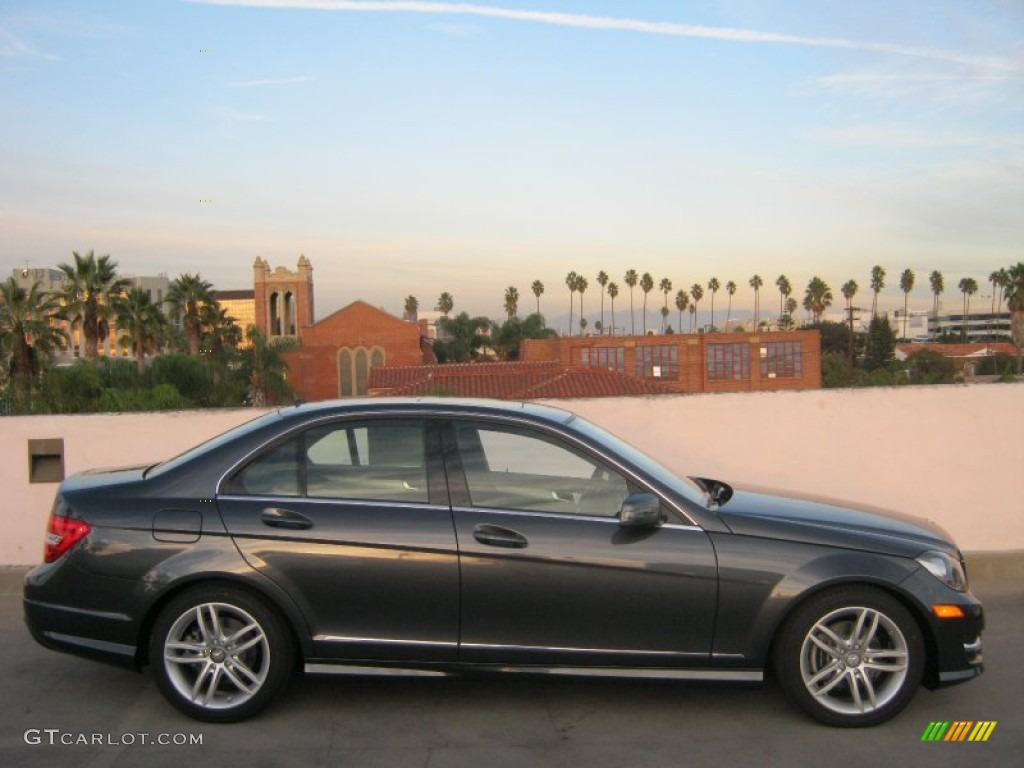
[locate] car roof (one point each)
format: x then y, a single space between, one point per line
428 405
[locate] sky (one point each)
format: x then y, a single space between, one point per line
410 148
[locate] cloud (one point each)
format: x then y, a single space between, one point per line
911 138
961 85
270 81
12 47
584 21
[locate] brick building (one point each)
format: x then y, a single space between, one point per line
333 357
690 363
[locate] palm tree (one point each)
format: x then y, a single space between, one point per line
665 286
696 293
818 297
906 285
785 288
631 279
265 368
682 301
693 316
186 297
511 301
602 280
877 284
90 291
411 307
849 290
220 330
713 286
27 334
570 283
730 288
938 285
445 302
646 285
756 282
968 287
1014 285
665 328
613 291
538 290
142 324
581 287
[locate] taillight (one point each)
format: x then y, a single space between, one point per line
62 533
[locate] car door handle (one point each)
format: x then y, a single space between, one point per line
495 536
276 517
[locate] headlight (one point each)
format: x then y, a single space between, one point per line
946 569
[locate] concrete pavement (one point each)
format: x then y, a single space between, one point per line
50 698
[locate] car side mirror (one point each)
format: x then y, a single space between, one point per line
641 510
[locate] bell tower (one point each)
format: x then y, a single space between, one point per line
284 299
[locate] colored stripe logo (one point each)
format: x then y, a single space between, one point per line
959 730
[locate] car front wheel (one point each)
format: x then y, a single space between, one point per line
850 657
219 654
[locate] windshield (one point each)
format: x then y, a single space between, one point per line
681 485
213 443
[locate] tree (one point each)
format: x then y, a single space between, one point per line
613 291
265 368
785 289
511 301
682 302
664 319
581 288
220 331
938 285
186 297
507 337
968 287
570 283
538 291
411 307
665 286
906 285
730 288
713 286
930 367
27 335
646 285
849 290
877 284
817 297
1014 296
90 292
881 343
756 282
602 280
696 293
464 336
445 302
142 324
631 280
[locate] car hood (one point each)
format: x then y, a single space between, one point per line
776 514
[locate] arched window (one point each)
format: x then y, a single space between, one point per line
346 373
362 371
289 314
275 314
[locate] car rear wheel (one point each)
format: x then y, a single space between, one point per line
850 657
220 654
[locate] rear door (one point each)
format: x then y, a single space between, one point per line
352 519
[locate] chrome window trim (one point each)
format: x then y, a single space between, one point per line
563 516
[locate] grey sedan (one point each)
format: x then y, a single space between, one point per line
451 535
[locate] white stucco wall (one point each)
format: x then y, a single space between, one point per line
957 450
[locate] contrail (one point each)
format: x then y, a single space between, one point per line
582 21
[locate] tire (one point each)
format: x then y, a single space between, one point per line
220 654
850 657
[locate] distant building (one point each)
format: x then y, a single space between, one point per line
240 305
979 325
690 363
965 357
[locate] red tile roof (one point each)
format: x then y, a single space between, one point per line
977 349
508 381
